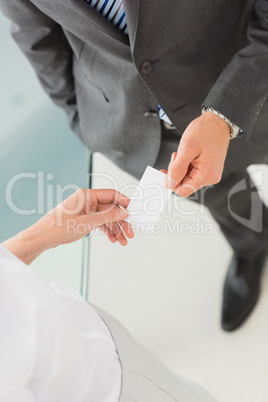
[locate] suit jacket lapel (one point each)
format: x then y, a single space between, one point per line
132 15
81 19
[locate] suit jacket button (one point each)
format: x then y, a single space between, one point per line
150 114
146 67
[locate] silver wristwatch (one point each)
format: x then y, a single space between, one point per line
234 129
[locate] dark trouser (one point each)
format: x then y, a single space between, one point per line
234 203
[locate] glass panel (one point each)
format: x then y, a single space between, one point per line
42 162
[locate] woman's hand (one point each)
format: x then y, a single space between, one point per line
74 218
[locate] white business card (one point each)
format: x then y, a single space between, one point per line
149 199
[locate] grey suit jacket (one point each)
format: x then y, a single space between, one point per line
179 54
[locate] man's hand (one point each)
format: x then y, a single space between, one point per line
74 218
200 158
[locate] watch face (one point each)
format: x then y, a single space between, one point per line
235 131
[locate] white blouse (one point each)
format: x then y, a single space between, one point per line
54 347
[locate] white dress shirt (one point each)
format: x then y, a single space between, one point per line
54 347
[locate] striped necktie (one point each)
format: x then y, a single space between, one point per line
113 11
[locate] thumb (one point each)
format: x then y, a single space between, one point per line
178 168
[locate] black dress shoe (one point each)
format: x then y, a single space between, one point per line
241 289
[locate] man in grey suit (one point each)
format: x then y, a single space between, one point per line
188 57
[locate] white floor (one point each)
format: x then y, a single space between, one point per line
166 289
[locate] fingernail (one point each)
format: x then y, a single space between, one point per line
169 182
173 156
124 212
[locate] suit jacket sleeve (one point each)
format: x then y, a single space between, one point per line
242 88
43 42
